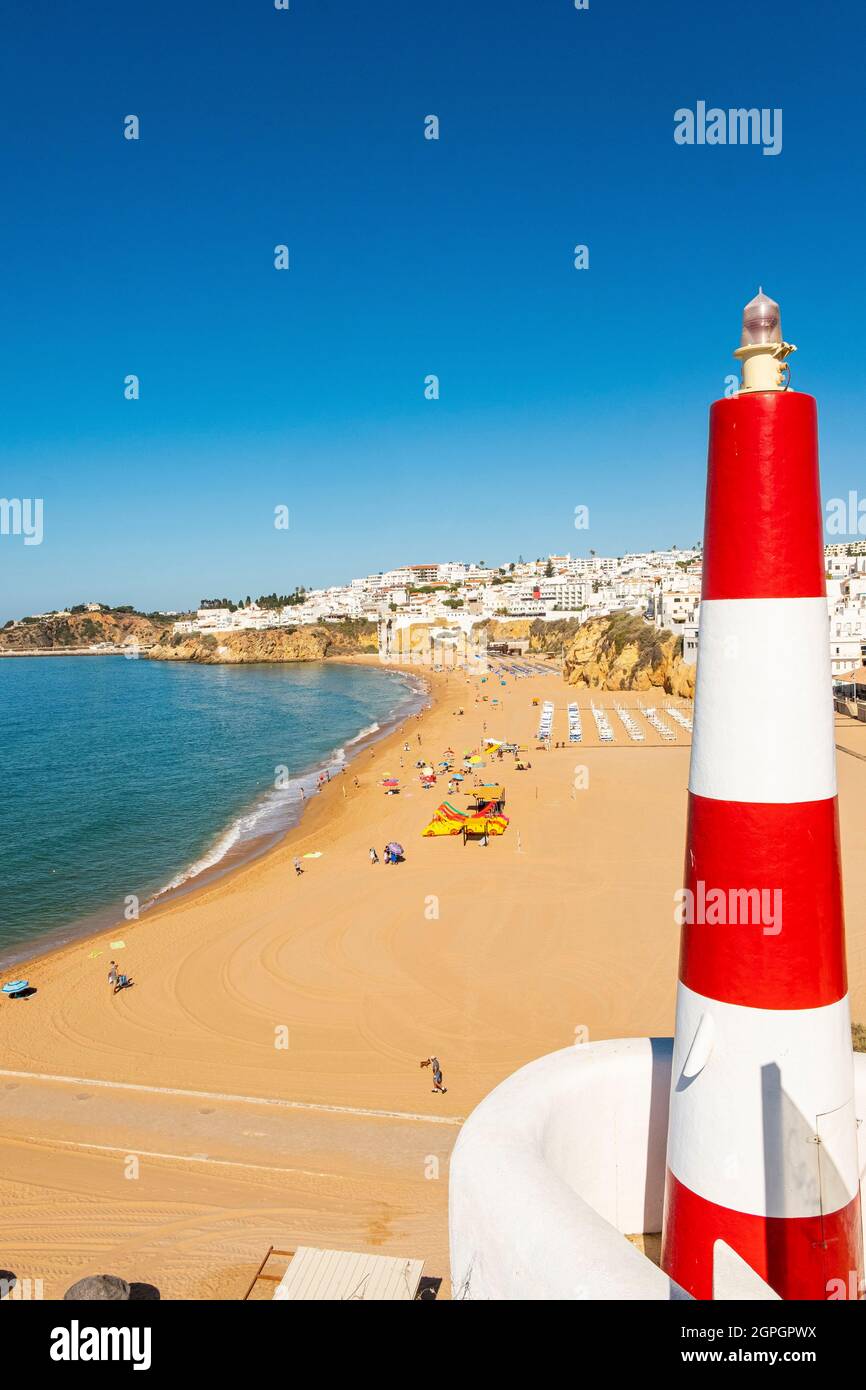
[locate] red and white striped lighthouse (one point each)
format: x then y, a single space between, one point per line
762 1141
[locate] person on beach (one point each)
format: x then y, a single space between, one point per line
112 973
437 1074
122 982
299 868
374 858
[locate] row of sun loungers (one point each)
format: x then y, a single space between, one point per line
630 724
661 728
627 718
575 732
545 727
602 723
682 719
520 669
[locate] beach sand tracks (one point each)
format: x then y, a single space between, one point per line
198 1228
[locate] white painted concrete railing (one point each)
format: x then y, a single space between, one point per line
561 1161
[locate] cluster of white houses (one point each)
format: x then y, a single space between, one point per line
662 585
559 586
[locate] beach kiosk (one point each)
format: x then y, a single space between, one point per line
490 794
335 1276
486 813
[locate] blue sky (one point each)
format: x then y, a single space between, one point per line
408 257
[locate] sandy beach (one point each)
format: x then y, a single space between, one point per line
260 1084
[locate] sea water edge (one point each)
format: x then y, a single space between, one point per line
248 835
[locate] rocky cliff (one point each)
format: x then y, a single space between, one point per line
272 644
619 652
547 639
80 631
623 652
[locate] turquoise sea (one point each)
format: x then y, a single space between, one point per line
124 777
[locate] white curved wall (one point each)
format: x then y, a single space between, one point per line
552 1166
557 1164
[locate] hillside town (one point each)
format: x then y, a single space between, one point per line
663 586
663 583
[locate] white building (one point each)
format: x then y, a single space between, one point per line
568 595
521 607
847 623
452 572
596 564
254 617
212 620
678 607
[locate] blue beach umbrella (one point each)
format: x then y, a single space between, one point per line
14 986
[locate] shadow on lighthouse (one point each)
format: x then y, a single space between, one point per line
805 1163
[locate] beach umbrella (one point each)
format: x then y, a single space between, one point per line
14 986
394 847
457 777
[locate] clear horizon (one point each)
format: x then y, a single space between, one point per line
409 257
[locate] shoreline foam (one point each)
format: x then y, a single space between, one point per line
231 848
